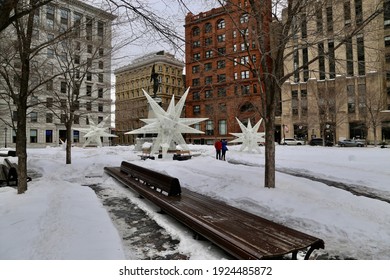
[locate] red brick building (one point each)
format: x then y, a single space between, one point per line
221 50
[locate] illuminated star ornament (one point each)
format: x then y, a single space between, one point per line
168 125
249 137
95 132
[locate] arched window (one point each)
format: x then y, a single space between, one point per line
244 18
247 107
195 31
208 28
221 24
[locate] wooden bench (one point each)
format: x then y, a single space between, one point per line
241 234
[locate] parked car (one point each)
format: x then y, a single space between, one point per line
292 141
352 143
320 142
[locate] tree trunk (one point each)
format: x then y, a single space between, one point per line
21 137
269 175
68 143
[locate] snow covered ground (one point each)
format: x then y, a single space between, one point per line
59 218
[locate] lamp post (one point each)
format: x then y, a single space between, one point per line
5 137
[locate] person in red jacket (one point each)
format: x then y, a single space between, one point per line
218 149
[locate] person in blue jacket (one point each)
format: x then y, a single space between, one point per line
224 149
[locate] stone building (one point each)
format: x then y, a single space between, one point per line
342 94
130 102
220 50
77 60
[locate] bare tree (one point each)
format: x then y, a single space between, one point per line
11 10
286 19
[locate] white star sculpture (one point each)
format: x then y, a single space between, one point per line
95 132
167 124
249 137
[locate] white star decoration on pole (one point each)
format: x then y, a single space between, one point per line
95 132
168 125
249 137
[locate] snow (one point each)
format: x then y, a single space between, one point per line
60 218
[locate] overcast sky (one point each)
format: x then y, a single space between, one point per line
140 41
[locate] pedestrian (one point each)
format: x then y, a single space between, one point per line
224 149
218 149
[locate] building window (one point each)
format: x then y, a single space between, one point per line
222 107
329 19
244 18
89 76
49 118
358 12
294 102
347 13
33 136
50 10
245 89
221 24
319 20
245 74
221 38
76 136
222 127
49 136
100 93
100 78
89 90
50 53
209 54
88 106
386 13
221 92
88 28
209 127
196 56
196 31
208 80
63 87
195 69
101 65
196 95
208 28
296 65
303 26
332 62
349 56
196 44
305 61
64 19
209 109
221 78
351 98
34 117
196 109
49 102
195 82
100 107
77 24
208 41
100 29
208 93
360 55
221 51
221 64
321 61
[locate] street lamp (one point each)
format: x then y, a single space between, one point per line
5 137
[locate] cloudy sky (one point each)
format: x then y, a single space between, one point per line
131 39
